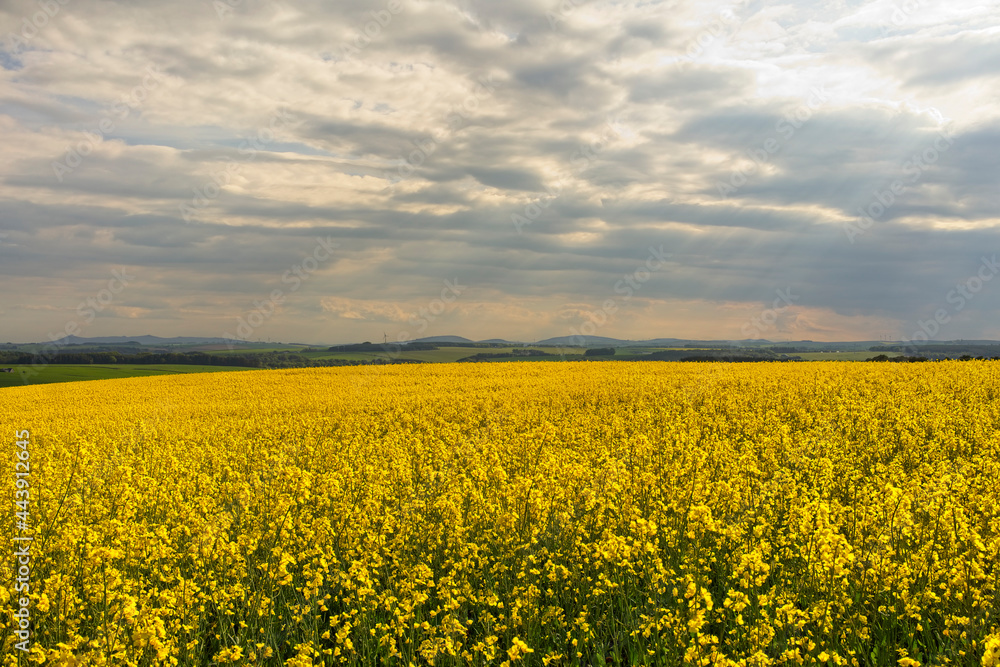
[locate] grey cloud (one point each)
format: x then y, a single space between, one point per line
692 84
682 132
507 179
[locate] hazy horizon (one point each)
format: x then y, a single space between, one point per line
573 340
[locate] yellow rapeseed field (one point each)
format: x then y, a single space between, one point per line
513 514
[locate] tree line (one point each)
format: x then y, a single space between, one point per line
243 359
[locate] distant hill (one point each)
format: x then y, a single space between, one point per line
664 342
584 340
588 341
142 340
441 339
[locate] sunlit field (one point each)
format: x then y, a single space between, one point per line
513 514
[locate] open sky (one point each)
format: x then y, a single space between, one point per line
335 171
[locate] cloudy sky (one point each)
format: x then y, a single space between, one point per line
335 171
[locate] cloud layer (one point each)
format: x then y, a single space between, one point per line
351 159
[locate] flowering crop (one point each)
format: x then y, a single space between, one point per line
514 514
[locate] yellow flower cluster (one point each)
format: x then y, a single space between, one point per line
514 514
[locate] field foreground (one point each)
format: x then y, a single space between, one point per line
516 514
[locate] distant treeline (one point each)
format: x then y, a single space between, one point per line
941 350
964 357
382 347
500 356
243 359
746 354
